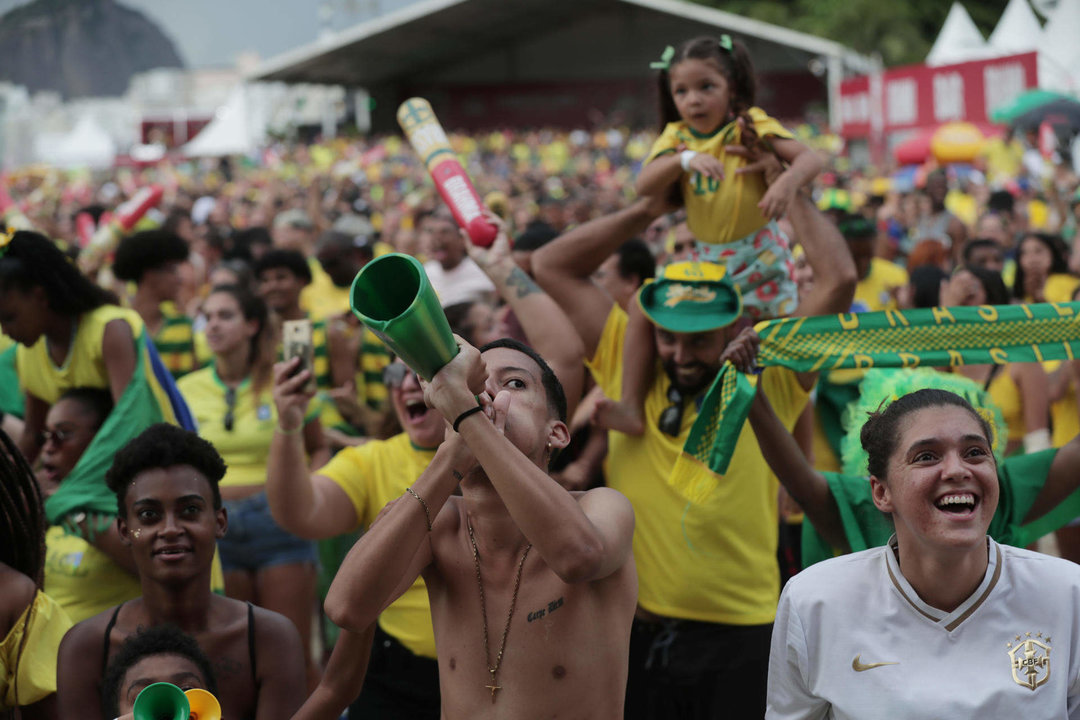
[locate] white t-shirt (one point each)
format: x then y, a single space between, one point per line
466 282
852 639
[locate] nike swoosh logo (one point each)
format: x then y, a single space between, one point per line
858 666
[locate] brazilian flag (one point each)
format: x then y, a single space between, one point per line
151 397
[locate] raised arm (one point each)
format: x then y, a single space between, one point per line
803 165
1061 481
1031 381
781 451
580 539
308 505
564 266
546 326
397 547
834 268
828 255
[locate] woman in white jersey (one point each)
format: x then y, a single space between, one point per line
942 622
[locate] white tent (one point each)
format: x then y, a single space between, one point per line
87 145
1017 31
959 40
235 130
1059 58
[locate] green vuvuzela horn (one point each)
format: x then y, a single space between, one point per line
393 296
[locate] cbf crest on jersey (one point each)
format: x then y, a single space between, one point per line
1030 658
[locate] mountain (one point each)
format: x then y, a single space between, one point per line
80 48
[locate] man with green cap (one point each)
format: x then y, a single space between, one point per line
708 576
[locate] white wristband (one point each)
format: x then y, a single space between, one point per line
1037 440
685 157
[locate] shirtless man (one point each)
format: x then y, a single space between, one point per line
170 514
532 588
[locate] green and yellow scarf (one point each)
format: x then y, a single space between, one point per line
929 337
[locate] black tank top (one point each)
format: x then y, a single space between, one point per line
250 634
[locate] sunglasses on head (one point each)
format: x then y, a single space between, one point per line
394 374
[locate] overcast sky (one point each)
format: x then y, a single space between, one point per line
210 33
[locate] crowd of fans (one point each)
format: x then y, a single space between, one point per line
235 248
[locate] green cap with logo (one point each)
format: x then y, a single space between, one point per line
691 297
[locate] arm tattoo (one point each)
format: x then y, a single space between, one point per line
522 283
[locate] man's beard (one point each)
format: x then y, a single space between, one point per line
708 374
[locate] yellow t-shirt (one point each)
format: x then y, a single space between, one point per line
713 562
322 298
85 363
875 291
1059 287
1004 392
1003 158
28 667
372 475
720 211
825 459
245 447
1064 413
82 579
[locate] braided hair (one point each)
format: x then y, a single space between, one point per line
22 531
22 514
32 260
736 67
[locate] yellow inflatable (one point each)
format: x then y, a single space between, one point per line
956 142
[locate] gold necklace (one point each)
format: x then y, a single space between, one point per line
494 669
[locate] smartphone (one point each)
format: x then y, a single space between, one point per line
296 340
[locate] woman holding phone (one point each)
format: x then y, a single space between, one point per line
232 403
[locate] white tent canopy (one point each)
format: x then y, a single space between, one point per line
959 40
1059 57
234 130
1017 31
87 145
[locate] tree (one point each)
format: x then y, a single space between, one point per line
902 32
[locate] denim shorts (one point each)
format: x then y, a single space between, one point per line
254 541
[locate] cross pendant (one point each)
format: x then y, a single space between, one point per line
493 689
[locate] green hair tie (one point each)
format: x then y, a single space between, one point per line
725 42
664 63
